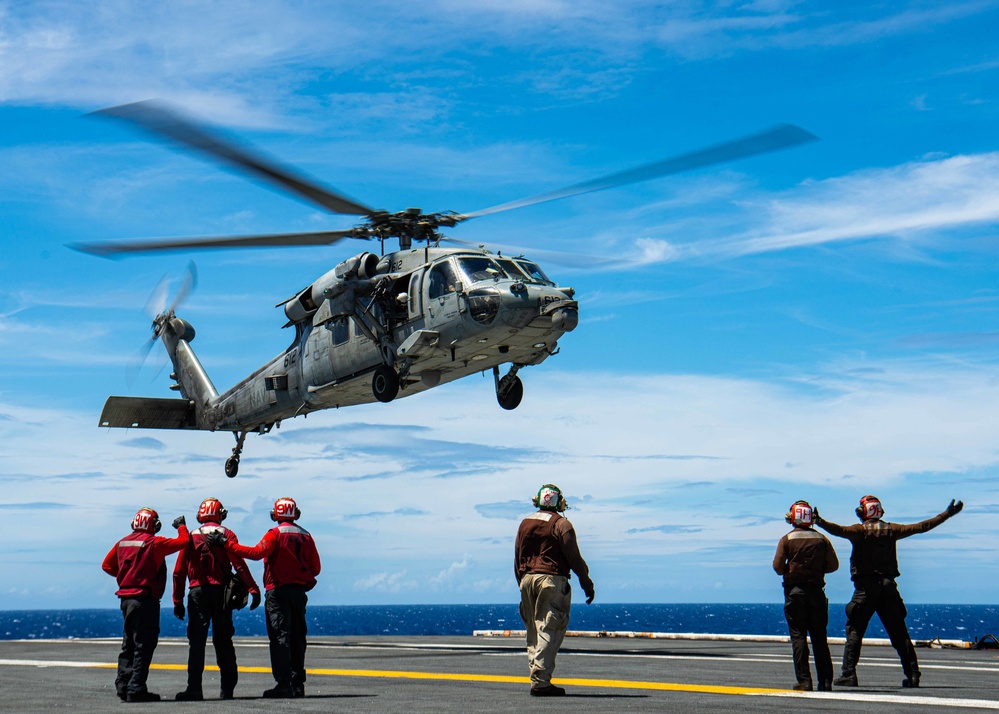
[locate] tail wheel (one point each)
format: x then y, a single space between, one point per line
231 466
510 393
385 384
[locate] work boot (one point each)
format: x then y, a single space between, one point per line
225 694
298 690
825 686
911 682
847 680
802 687
142 697
190 695
122 694
280 692
548 691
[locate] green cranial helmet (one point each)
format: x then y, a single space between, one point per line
550 498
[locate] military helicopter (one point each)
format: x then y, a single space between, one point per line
378 325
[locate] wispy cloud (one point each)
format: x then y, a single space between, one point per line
918 200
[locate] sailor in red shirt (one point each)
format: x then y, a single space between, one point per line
137 561
209 569
291 564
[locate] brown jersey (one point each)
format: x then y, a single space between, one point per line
803 557
546 543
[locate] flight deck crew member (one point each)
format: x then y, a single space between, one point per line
803 557
137 561
873 569
291 564
209 569
545 552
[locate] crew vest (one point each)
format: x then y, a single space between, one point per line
287 563
875 554
540 548
138 572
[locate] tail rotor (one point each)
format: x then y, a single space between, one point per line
159 311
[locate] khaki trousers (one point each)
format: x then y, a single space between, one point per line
544 608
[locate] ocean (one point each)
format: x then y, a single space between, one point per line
926 622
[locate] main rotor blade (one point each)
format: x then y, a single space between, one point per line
779 137
156 118
114 249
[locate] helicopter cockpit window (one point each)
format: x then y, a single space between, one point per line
479 268
511 269
534 272
442 280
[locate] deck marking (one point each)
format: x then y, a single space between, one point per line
866 697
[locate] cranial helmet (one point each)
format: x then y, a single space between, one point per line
212 511
800 515
870 509
550 498
285 509
146 519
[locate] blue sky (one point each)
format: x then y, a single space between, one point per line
817 323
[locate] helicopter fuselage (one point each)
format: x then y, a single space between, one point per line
373 329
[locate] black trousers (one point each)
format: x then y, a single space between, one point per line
806 610
875 594
204 609
286 628
141 633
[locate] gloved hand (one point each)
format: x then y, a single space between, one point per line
815 515
178 610
255 600
954 508
589 592
216 538
179 521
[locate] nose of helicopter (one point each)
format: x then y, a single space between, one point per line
565 318
564 314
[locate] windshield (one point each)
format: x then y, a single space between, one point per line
480 268
534 272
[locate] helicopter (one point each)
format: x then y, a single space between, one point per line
377 326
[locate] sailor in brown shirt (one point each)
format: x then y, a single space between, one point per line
873 569
803 557
545 552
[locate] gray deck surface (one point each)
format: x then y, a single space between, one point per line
476 674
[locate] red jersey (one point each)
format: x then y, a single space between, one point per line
137 561
204 564
289 555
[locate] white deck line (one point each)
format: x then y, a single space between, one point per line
961 644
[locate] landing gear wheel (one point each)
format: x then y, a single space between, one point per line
510 393
385 384
231 466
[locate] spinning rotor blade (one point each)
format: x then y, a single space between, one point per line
156 307
156 118
780 137
111 250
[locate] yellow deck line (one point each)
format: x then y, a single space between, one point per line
501 679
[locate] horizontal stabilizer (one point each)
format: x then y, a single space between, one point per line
148 413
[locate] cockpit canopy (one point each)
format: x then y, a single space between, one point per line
480 267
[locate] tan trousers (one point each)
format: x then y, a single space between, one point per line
544 608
